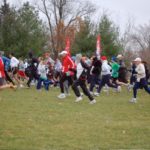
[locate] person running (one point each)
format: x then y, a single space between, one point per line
95 73
31 70
57 71
133 75
146 70
21 73
48 59
122 78
68 71
141 79
14 64
81 76
42 71
115 74
3 84
106 76
115 70
6 62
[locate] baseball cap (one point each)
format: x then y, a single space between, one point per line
138 59
119 56
63 52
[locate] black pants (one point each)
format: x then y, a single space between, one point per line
132 79
32 76
63 79
140 85
106 80
94 80
82 84
8 78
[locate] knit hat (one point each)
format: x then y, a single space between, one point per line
114 59
103 58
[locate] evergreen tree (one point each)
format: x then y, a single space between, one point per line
110 41
21 30
30 30
7 26
85 39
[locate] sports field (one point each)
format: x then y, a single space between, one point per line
32 120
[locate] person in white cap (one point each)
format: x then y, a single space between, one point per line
68 71
141 79
120 60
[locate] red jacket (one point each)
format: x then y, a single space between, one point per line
68 65
2 72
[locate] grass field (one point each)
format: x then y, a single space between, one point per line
32 120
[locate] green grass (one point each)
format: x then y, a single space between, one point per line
32 120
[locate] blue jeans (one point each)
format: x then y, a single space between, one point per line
46 83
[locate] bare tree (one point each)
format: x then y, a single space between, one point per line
136 41
126 39
136 37
142 36
61 15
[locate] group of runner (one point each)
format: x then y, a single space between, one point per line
89 74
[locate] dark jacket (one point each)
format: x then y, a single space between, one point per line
96 66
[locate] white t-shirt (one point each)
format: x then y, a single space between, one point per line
42 71
140 69
14 62
79 70
105 68
58 66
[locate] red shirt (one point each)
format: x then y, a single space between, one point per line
68 64
2 72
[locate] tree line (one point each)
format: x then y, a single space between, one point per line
22 30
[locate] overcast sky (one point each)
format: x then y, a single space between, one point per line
120 10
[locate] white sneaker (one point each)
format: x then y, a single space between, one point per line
91 93
133 100
62 96
105 88
78 99
92 102
81 94
119 89
96 94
